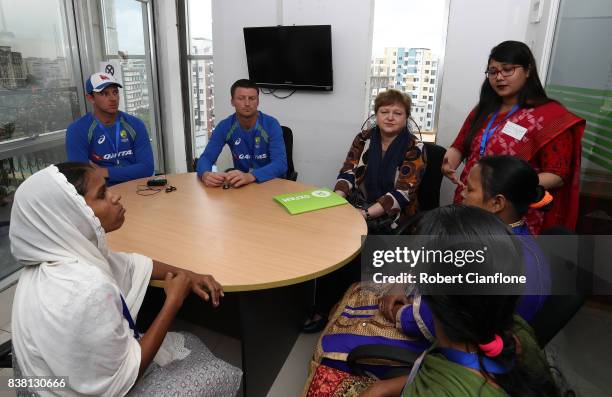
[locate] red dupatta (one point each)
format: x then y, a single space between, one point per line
565 210
544 123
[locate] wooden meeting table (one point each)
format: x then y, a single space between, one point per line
252 246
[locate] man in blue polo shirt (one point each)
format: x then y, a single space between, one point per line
255 140
114 142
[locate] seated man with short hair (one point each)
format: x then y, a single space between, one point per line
114 142
255 140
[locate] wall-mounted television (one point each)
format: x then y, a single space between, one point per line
293 57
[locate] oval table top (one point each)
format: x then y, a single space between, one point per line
244 238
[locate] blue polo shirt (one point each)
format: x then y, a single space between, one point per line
259 150
124 147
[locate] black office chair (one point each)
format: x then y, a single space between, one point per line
429 189
428 193
288 138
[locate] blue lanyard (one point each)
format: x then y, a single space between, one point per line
128 317
117 137
251 147
488 131
470 360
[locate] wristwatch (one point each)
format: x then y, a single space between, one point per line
367 214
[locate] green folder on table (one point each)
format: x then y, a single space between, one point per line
310 200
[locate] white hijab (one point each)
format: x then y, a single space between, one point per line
67 314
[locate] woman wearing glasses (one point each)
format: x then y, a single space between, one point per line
515 117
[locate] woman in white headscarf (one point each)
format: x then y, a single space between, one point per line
76 300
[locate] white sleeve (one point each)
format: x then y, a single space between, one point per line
133 274
92 343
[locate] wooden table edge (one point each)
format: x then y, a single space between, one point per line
276 284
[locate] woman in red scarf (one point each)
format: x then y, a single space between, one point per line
515 117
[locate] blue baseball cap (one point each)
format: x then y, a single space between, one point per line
99 81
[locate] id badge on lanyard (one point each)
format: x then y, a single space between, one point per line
488 131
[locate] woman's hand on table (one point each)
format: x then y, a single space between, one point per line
177 286
206 287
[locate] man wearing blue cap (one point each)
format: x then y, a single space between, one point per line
114 142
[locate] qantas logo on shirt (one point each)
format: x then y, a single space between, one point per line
123 153
248 156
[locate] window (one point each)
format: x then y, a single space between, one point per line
40 95
199 59
391 35
585 89
122 42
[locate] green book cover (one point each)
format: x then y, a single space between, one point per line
310 200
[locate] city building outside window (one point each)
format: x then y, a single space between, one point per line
40 95
419 44
198 36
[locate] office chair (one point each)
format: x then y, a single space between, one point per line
428 192
288 138
429 188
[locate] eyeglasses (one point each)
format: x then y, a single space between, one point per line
506 71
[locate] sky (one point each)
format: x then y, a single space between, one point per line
38 25
38 28
408 23
200 15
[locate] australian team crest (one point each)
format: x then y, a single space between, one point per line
257 140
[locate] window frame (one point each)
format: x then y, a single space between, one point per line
186 58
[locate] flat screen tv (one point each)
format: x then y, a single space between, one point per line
293 57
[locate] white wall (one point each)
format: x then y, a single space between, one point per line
474 27
323 123
540 35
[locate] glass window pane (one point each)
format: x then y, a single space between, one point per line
416 55
582 33
38 94
200 50
13 171
127 53
37 87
